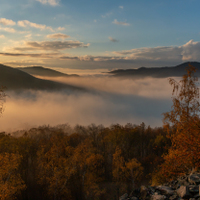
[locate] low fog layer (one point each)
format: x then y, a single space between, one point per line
111 101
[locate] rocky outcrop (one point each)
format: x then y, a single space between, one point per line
185 187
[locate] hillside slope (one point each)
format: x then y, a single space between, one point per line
13 79
42 71
156 72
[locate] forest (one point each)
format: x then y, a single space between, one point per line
97 162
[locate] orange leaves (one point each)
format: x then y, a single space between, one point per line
184 118
131 170
10 181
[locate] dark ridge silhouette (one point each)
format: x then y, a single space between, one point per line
15 79
42 71
156 72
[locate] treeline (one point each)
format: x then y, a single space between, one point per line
83 163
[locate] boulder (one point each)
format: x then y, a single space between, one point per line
134 198
194 179
194 189
184 192
123 197
174 197
143 192
158 197
165 190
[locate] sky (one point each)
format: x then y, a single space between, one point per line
99 35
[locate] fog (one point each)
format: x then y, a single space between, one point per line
109 101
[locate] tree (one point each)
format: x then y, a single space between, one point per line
125 172
2 98
183 125
186 104
11 183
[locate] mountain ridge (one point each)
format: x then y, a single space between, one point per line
43 71
15 79
156 72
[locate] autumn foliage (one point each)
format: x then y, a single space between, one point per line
85 163
183 125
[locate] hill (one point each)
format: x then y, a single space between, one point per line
156 72
13 79
42 71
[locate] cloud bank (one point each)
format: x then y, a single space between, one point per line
110 101
133 58
7 22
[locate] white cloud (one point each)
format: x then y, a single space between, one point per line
26 23
7 29
50 2
191 50
2 36
149 57
120 23
8 22
121 7
61 28
58 35
112 39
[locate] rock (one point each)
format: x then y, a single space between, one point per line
165 190
134 198
194 189
143 192
158 197
194 179
123 197
184 192
173 197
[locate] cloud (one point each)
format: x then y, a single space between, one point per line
157 53
107 15
8 29
26 23
6 22
113 40
58 35
191 50
133 58
51 45
187 52
121 7
2 36
50 2
133 103
120 23
34 55
61 28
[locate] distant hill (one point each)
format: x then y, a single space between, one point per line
42 71
14 79
156 72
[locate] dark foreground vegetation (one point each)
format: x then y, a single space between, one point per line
85 163
96 162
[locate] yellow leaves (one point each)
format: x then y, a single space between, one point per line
10 180
131 170
184 118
